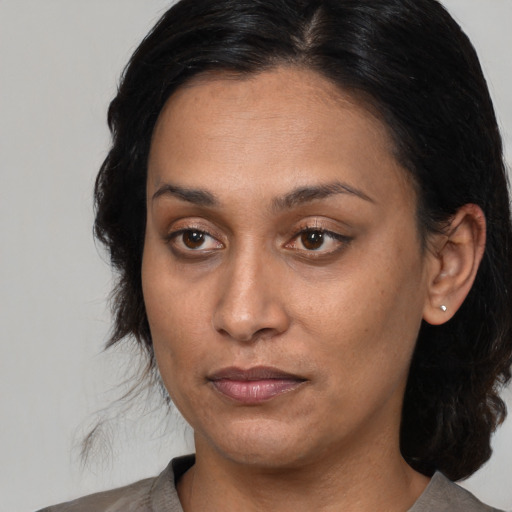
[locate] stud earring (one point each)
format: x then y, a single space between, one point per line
443 308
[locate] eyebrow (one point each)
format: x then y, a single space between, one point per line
191 195
311 193
290 200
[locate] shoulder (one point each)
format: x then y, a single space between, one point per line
149 495
443 495
134 497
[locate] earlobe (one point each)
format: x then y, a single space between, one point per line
455 257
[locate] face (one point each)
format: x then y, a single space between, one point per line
283 274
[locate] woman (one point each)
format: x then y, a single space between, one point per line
307 206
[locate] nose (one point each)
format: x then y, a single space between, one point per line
250 304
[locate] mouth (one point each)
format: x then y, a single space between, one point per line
254 385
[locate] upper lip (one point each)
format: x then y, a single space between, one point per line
254 373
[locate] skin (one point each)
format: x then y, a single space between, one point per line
343 316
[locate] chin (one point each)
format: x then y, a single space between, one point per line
263 445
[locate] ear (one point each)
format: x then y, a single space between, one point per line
454 259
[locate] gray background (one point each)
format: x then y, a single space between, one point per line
59 62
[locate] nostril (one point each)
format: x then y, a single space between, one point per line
249 336
266 332
250 328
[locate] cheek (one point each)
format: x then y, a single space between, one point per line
172 316
176 327
172 303
178 343
367 318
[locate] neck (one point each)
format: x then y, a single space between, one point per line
348 479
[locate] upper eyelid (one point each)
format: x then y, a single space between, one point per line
334 236
321 229
172 239
320 222
194 225
176 233
314 224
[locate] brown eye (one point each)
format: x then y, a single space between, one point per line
316 242
193 239
312 240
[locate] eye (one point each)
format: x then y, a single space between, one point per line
194 240
312 240
318 240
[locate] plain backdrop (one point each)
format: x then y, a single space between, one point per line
59 65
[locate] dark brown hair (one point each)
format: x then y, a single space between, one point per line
421 74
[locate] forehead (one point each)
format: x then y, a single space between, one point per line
287 122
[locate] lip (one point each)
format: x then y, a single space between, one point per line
254 385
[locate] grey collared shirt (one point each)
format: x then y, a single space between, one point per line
159 495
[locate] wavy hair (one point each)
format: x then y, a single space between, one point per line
411 62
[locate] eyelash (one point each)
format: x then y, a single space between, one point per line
176 238
173 238
342 240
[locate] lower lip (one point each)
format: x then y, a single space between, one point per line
255 391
